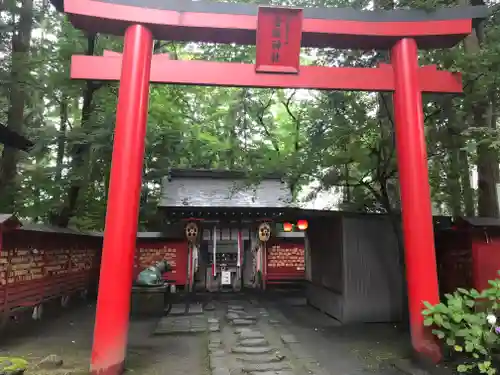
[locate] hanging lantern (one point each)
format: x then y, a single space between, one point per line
264 232
287 227
302 224
191 232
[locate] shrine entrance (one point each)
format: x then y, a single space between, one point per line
278 34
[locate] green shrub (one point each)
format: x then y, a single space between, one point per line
466 323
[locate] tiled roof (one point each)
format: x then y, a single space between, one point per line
205 188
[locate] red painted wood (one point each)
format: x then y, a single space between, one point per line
46 276
241 29
285 261
416 211
279 35
175 252
113 302
207 73
485 261
405 78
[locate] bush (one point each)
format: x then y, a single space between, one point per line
466 323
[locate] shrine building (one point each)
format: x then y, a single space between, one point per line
222 232
237 228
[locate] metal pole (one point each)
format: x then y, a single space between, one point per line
113 302
420 257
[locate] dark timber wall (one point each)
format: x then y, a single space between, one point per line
356 272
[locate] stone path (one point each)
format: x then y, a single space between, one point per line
181 325
194 322
249 337
180 309
251 343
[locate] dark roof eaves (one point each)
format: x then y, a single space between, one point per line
220 174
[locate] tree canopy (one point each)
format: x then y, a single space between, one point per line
339 144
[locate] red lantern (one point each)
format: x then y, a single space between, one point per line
302 224
287 227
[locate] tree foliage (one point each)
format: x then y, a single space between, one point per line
338 143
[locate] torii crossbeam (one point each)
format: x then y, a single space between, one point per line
278 34
205 73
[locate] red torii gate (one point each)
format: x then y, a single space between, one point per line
278 34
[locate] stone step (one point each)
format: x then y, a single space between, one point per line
263 367
214 328
180 309
261 358
253 342
242 322
240 330
183 325
252 350
233 315
284 372
249 334
164 331
289 339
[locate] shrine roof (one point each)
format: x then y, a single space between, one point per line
218 174
481 221
225 22
167 233
33 227
7 217
222 189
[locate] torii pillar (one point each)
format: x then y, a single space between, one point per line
278 33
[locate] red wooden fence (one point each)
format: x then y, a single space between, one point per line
175 252
40 263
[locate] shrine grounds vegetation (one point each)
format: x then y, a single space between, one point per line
466 324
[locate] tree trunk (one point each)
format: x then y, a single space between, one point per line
487 157
467 191
452 145
80 152
61 139
487 165
21 39
232 120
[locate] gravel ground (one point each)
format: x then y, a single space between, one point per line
70 337
342 349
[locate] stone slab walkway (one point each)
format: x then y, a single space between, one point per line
180 310
181 325
252 343
195 322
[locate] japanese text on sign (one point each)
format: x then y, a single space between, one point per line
291 257
279 33
278 36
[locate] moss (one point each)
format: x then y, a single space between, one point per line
12 365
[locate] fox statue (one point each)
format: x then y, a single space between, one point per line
152 276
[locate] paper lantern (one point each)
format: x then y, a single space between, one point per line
264 232
302 224
287 227
191 231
